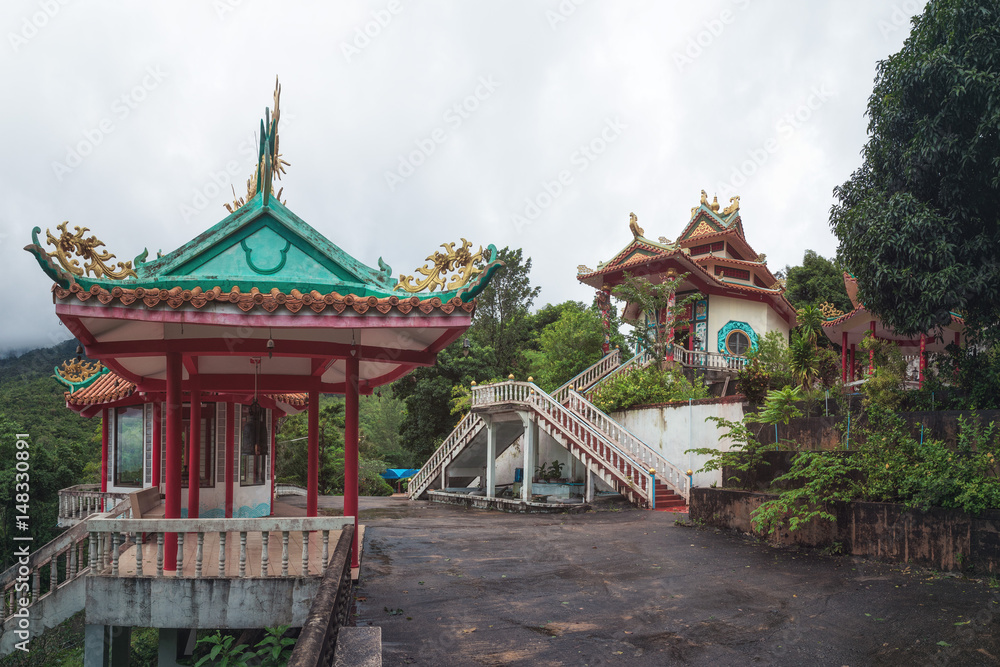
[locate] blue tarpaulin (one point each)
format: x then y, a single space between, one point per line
399 473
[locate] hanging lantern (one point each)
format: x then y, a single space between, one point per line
255 431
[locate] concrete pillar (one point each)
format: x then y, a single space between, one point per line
530 452
491 459
588 492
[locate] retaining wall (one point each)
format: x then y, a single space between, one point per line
940 538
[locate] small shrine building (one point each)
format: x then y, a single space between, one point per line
742 298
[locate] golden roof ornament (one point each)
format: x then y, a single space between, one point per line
77 371
734 205
633 225
582 269
830 311
715 204
68 245
462 262
270 164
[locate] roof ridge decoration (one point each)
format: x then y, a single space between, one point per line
462 262
77 374
270 164
68 245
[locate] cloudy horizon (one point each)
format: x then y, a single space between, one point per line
538 125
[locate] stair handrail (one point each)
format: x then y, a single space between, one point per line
470 423
638 360
705 359
590 375
530 394
666 471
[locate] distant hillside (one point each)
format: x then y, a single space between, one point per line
34 363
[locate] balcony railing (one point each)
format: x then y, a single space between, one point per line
78 502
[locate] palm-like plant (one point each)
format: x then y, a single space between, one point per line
811 322
803 359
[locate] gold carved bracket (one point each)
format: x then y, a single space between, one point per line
68 246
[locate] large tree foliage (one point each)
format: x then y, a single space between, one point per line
815 281
502 311
656 300
567 346
918 221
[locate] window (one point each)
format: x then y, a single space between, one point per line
737 343
128 447
206 446
254 445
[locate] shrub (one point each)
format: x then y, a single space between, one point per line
646 386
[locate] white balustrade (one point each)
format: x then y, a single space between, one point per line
466 430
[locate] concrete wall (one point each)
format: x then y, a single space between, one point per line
672 429
758 314
169 602
943 539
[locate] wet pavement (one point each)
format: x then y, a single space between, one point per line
453 586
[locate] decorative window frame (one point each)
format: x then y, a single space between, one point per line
734 325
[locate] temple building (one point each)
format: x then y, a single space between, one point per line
742 300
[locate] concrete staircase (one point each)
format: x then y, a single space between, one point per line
605 447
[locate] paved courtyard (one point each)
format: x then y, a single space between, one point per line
451 586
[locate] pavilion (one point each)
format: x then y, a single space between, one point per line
204 347
849 329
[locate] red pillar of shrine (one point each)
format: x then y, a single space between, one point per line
274 453
871 353
104 453
958 338
194 449
923 359
853 362
157 444
351 450
231 409
175 423
843 356
312 483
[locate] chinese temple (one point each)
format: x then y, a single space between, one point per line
848 329
742 298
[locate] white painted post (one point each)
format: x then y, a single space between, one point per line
222 554
589 488
491 459
530 445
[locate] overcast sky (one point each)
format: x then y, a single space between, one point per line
534 124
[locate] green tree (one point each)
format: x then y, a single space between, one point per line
567 346
918 221
654 300
502 320
815 281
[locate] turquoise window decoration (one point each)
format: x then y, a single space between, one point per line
730 344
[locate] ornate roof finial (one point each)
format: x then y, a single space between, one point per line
633 224
734 205
715 203
704 198
270 164
462 262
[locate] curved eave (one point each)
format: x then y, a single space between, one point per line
857 323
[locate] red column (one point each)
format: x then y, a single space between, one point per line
351 450
843 356
230 453
923 358
157 445
194 450
958 338
175 423
854 367
871 354
274 452
105 415
312 483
